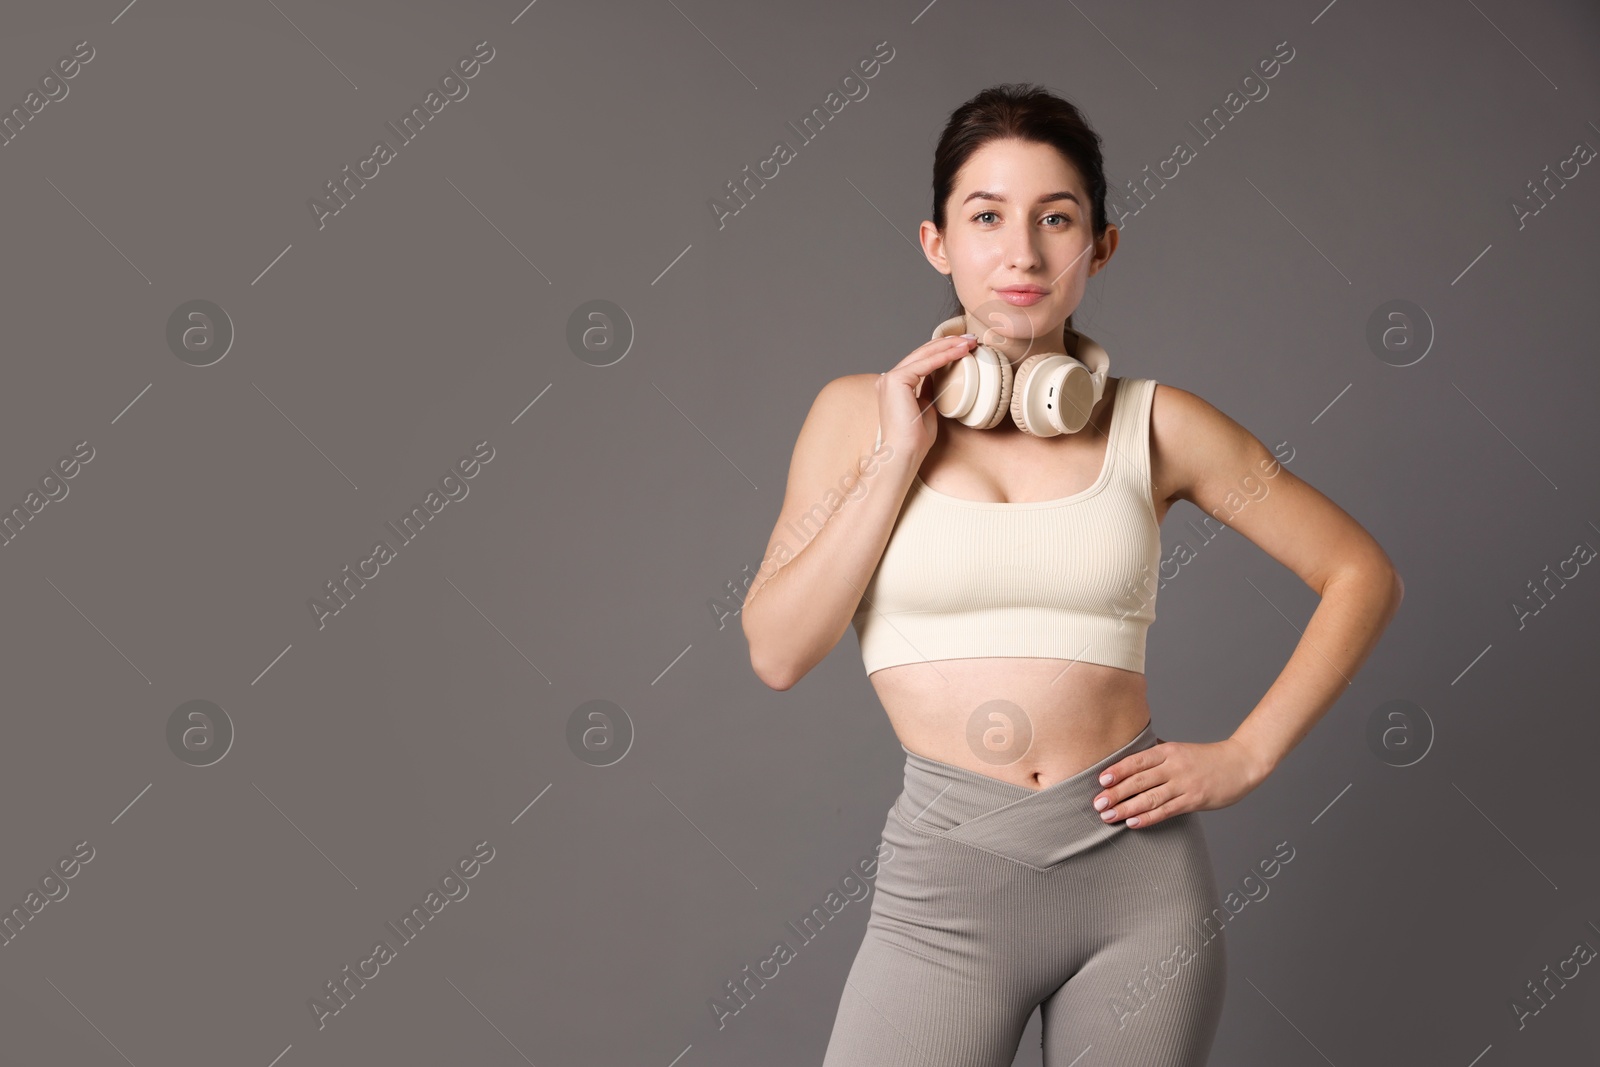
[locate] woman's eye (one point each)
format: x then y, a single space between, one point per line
1065 219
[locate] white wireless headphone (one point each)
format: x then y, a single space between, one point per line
1053 392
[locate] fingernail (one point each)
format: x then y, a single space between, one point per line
970 336
1105 779
1102 802
1133 820
1108 815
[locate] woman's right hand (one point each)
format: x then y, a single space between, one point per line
910 422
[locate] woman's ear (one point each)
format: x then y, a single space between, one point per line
933 247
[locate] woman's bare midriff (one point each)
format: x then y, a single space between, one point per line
1031 722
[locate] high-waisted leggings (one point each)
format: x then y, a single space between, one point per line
994 899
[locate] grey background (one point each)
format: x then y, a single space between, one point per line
372 754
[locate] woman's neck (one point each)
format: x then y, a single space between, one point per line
1015 349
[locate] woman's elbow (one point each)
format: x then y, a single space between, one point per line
1386 587
772 676
1377 570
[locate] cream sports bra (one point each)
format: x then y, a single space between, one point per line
1073 578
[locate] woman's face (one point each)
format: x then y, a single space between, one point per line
1019 215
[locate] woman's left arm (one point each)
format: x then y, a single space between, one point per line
1201 455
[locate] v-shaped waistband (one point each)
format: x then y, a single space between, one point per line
1036 827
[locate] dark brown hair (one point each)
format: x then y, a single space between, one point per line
1028 113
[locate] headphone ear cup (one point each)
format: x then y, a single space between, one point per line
974 390
951 387
1054 395
1002 398
1019 389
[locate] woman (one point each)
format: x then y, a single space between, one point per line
1001 575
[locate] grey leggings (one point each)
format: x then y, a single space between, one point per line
994 899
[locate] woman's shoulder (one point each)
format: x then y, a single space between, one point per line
843 415
1183 412
1191 439
851 399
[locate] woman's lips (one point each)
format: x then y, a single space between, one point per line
1020 297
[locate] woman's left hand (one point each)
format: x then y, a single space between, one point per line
1172 777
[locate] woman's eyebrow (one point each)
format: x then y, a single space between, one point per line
983 194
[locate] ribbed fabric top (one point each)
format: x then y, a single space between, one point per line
1073 578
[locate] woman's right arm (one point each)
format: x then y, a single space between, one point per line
838 511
